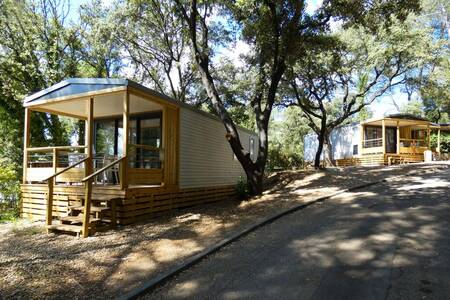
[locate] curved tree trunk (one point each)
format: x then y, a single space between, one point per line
321 139
329 157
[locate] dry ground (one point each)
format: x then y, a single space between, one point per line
38 265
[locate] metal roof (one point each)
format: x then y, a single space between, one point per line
406 117
77 86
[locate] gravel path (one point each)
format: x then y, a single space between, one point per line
36 265
390 241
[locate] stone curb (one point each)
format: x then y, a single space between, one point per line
164 277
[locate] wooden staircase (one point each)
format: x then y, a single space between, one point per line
102 215
92 209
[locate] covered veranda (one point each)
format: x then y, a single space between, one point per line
398 138
131 141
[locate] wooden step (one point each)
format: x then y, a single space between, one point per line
65 227
93 208
77 219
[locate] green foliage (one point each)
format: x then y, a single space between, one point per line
37 50
430 80
444 142
99 49
242 188
283 159
152 36
9 188
286 143
9 192
414 107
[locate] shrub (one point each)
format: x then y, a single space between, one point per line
280 159
444 141
242 188
9 191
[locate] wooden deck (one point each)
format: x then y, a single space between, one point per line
378 159
132 204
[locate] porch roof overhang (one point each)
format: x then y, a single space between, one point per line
400 120
69 98
440 126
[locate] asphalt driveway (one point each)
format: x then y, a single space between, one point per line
389 241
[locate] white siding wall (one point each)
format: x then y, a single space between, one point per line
206 158
342 140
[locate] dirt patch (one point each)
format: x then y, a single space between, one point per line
38 265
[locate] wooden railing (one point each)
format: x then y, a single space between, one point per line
372 143
88 192
413 146
47 161
413 143
50 182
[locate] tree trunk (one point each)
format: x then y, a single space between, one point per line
321 136
321 139
255 180
328 156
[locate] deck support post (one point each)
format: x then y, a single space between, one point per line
49 214
88 166
438 149
26 142
429 136
398 137
383 135
124 163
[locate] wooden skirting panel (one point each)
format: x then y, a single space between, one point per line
143 203
133 205
346 162
372 160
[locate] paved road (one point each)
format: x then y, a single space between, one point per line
390 241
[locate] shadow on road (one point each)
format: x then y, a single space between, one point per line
390 241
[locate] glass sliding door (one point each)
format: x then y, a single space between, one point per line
105 137
149 135
144 130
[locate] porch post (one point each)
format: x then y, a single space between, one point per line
429 136
88 166
383 135
361 138
89 131
26 142
438 149
124 166
398 137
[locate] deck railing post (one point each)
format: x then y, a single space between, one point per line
87 207
49 215
55 160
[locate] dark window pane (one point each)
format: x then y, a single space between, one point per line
151 132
